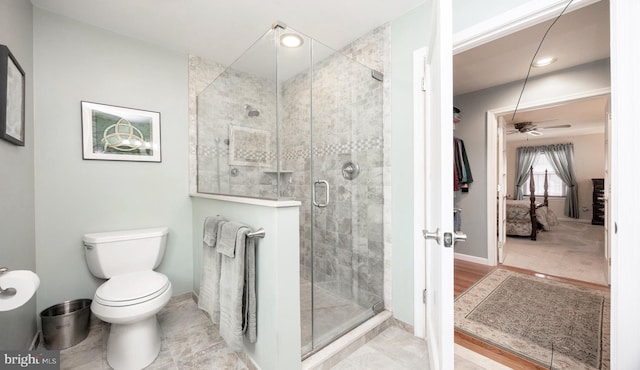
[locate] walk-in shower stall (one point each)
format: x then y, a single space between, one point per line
293 119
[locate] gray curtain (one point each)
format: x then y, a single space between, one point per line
525 155
561 158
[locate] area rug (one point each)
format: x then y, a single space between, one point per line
554 324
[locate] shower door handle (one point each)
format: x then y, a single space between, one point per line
326 193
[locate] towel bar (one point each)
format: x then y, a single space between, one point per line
260 233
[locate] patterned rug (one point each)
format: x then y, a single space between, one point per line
557 325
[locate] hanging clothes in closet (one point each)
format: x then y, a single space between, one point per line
461 170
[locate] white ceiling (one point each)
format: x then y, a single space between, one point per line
578 37
221 30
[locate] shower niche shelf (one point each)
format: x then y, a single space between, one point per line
285 175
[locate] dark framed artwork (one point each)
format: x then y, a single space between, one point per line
120 134
12 98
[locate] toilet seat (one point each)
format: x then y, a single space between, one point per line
132 288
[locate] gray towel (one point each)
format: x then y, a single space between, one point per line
249 308
210 230
227 235
232 286
209 299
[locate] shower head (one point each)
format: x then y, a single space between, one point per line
251 111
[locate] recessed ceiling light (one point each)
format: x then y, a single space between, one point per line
291 40
543 62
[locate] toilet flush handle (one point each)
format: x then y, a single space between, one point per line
88 246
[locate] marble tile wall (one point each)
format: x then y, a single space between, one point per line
374 50
221 107
347 126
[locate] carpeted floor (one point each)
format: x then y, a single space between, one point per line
573 250
558 325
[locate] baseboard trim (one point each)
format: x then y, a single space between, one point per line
581 220
474 259
36 341
402 325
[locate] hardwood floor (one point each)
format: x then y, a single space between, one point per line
465 275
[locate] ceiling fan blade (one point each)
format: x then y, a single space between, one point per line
546 120
558 126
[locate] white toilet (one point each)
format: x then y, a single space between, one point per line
133 295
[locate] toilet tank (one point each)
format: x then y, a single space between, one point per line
119 252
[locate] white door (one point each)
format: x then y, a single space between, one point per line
502 192
439 188
607 189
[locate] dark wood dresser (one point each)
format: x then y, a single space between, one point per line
597 217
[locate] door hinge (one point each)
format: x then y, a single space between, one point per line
423 84
424 296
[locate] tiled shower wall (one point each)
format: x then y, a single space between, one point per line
348 245
247 170
374 51
351 123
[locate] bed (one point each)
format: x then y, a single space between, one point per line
526 217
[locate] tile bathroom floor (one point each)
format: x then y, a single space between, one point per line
396 349
191 341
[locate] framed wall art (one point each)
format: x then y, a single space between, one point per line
12 98
120 134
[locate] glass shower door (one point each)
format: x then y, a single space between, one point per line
346 194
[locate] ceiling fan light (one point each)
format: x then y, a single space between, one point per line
543 62
534 133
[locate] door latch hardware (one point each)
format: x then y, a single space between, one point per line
448 240
432 235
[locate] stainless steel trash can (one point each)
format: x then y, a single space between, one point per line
66 324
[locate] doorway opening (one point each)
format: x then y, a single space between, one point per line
572 247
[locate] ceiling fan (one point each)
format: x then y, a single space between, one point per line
530 128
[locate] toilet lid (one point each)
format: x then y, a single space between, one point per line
132 288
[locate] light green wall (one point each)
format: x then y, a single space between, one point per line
75 62
277 277
408 33
473 131
17 227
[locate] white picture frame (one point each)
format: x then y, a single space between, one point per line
120 134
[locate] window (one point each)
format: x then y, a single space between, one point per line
556 186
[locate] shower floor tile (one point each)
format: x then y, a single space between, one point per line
332 314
